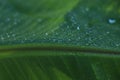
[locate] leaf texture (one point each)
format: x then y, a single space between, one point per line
59 40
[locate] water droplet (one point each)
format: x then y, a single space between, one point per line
33 34
86 44
56 33
68 26
7 35
108 32
46 34
73 19
112 21
79 37
39 20
8 19
87 9
78 28
25 39
69 39
117 44
2 38
13 35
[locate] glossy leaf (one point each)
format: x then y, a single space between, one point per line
59 40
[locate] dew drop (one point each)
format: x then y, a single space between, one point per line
112 21
86 44
33 34
46 34
25 39
69 39
78 28
13 35
79 38
108 32
68 26
39 20
87 9
117 45
2 38
8 19
7 35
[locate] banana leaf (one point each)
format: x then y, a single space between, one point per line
59 40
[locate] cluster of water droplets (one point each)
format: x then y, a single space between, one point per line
15 26
75 30
7 37
89 35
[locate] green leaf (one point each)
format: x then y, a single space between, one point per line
55 62
36 17
59 40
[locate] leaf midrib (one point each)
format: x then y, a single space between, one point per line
54 47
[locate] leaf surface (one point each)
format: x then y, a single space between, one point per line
59 40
